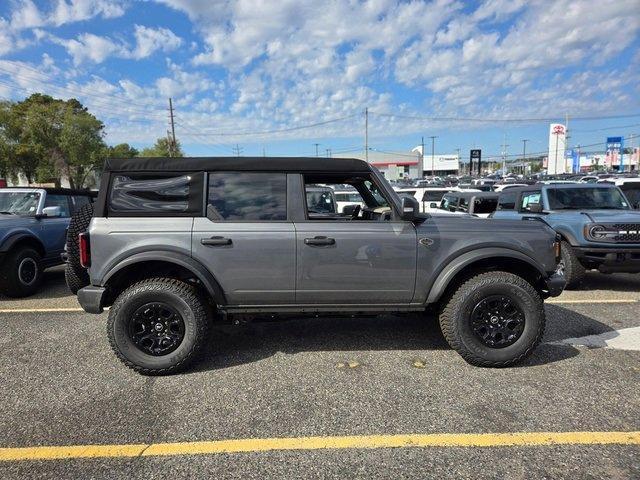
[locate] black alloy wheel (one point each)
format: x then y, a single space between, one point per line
156 329
498 321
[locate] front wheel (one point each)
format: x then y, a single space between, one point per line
494 319
158 326
573 270
21 273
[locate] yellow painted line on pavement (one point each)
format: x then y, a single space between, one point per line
251 445
40 310
609 300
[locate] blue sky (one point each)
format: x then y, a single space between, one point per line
238 69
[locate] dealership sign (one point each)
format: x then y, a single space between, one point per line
475 156
614 149
557 144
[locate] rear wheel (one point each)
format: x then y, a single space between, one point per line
494 319
21 272
158 326
574 272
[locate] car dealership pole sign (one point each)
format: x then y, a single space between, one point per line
557 144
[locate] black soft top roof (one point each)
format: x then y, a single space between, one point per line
56 191
270 164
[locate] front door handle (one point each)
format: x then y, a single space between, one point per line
319 241
216 241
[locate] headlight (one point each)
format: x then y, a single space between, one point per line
600 233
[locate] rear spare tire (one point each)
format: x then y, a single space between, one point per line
493 319
75 275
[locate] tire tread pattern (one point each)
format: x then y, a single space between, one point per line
190 295
448 312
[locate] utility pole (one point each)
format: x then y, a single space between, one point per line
237 150
421 172
317 145
433 154
504 155
458 159
172 143
366 134
264 152
328 152
524 154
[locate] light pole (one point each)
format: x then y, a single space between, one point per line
433 154
524 153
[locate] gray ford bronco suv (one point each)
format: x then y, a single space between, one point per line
175 243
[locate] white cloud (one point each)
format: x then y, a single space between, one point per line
88 47
25 13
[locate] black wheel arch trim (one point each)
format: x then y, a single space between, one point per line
200 271
16 238
567 234
456 265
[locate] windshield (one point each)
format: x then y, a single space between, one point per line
586 198
19 203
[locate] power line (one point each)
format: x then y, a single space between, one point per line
499 120
279 130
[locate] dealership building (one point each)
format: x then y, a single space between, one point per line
408 165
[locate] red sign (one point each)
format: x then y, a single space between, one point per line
558 130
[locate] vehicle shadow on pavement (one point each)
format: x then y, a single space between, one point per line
562 324
616 282
252 342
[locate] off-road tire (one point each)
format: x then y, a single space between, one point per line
455 319
185 299
10 283
75 275
574 272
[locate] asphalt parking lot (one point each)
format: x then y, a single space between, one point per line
330 379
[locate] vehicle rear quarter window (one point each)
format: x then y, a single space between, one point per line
247 196
432 196
156 195
485 205
507 201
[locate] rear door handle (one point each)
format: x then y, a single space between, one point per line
319 241
216 241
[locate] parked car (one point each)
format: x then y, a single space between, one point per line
499 187
33 227
347 198
429 197
479 204
598 228
234 237
630 186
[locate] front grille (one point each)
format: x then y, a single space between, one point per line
627 232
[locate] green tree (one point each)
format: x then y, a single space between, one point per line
162 148
50 138
122 150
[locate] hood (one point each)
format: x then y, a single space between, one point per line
608 216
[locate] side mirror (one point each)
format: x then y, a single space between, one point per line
433 205
349 209
51 212
410 208
535 208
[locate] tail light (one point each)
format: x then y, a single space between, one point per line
85 250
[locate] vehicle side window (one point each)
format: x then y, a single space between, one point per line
527 199
463 205
61 201
247 196
507 201
432 196
164 195
484 205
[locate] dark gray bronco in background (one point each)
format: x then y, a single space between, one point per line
175 243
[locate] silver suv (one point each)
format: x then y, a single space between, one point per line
175 243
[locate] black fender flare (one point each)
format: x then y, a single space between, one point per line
457 264
567 233
209 282
15 238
